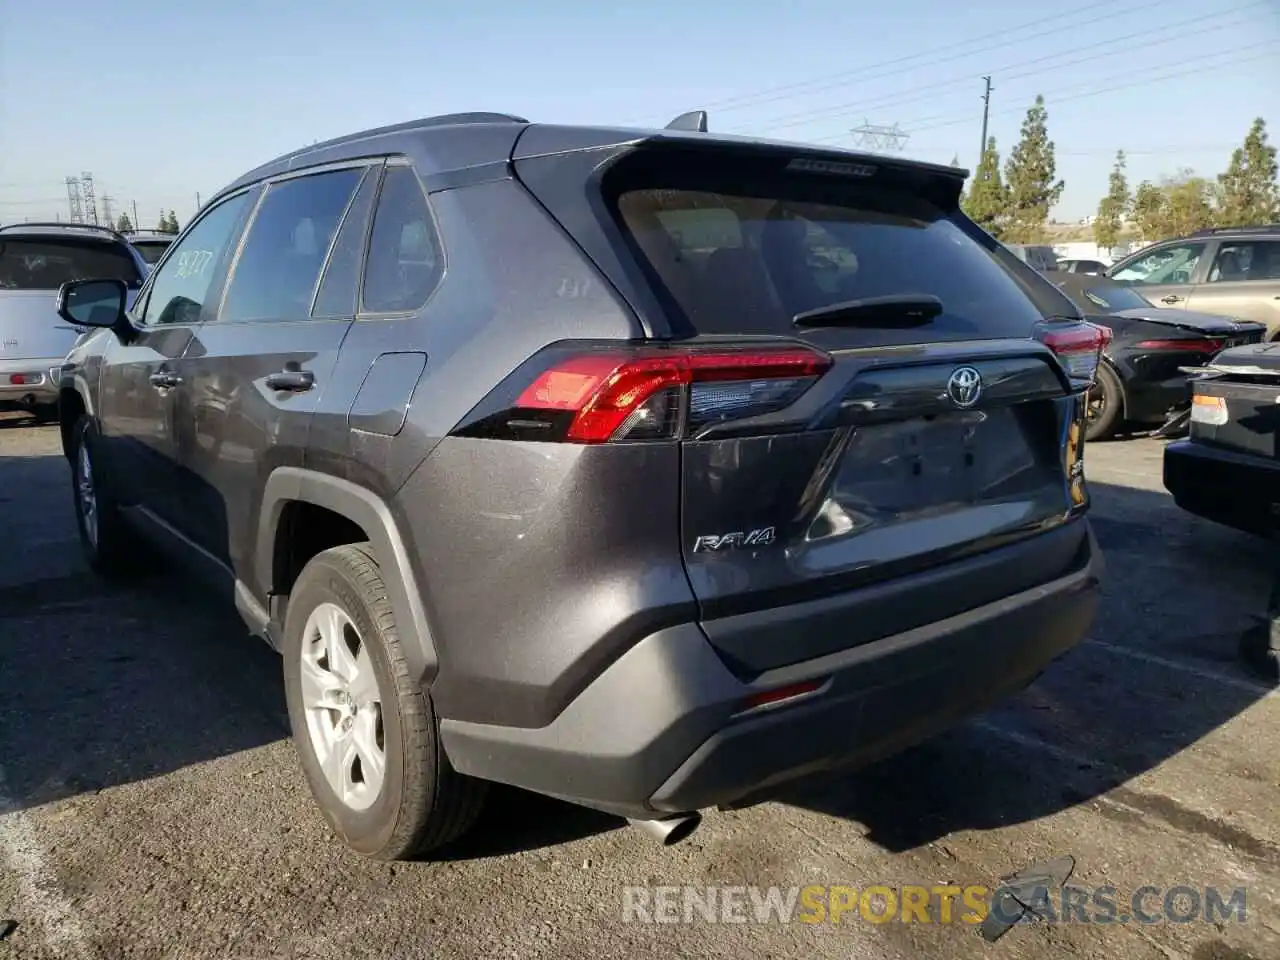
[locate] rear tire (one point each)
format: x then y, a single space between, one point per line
1107 399
104 538
351 697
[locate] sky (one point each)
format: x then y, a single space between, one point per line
163 103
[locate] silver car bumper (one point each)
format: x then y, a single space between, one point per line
34 380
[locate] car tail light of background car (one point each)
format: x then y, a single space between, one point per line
1203 347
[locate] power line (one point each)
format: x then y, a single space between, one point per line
860 74
907 96
1066 96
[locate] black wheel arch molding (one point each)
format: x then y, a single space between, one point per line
367 510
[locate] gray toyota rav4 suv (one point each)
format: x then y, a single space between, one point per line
647 469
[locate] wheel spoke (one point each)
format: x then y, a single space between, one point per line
318 686
363 684
364 737
332 624
336 766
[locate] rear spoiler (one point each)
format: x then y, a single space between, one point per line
687 135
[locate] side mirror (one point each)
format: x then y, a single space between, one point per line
94 303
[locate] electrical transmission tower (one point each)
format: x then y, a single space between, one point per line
873 136
74 204
90 201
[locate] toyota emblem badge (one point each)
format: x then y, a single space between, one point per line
965 386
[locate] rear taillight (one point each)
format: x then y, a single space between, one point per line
1209 347
1078 347
649 393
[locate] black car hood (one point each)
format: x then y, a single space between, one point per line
1190 320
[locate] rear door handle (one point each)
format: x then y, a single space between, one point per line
291 381
1172 298
163 380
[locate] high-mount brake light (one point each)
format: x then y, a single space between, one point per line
1078 347
661 393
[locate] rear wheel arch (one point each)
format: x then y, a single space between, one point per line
335 511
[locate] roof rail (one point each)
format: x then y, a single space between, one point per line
449 119
1250 228
111 231
695 121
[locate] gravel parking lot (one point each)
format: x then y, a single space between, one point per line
151 804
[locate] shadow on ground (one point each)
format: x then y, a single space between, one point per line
116 684
1176 587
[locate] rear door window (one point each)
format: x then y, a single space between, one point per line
46 263
405 261
744 257
279 265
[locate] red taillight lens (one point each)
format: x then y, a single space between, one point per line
1183 346
655 393
1078 347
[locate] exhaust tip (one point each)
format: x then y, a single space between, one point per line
669 830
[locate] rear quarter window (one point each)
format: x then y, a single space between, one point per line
46 263
744 256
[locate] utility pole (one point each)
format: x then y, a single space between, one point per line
106 211
135 214
986 110
197 202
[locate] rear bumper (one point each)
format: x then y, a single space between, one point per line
662 729
44 390
1151 401
1238 490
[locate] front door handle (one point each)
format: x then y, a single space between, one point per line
291 381
1171 298
162 380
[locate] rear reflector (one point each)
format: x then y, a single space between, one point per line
654 393
1078 347
779 695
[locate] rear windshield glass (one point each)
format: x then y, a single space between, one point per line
151 249
1116 298
744 256
46 264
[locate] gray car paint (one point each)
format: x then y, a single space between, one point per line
521 574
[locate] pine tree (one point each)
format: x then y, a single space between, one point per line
162 225
1248 193
955 160
124 224
1029 177
987 202
173 223
1113 207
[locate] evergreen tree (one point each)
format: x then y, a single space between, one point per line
162 225
173 222
1248 193
124 224
1113 207
1029 176
1149 211
955 160
987 201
